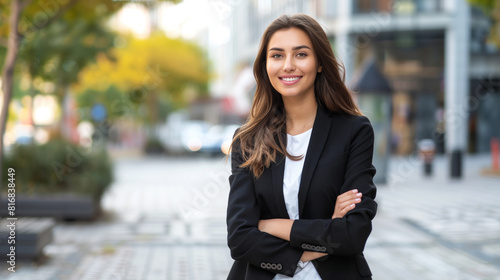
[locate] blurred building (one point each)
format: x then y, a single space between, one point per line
434 53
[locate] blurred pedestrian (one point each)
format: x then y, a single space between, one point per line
302 195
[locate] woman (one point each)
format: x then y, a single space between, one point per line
302 196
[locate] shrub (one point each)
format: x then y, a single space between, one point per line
154 146
59 166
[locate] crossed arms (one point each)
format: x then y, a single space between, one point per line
281 228
285 242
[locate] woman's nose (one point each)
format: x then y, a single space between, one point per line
289 64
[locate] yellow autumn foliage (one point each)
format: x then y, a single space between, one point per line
157 62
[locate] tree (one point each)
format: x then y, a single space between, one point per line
153 71
28 17
25 19
12 46
60 51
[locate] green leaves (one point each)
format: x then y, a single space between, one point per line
60 51
158 72
59 166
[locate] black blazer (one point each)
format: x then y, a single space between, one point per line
339 158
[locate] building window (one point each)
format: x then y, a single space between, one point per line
396 6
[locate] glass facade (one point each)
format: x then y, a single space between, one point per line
396 6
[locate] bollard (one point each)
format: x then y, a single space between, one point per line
494 153
427 149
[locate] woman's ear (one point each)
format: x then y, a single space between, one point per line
320 68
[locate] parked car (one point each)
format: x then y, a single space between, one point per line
218 139
194 136
213 140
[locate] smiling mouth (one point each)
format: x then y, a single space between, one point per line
290 79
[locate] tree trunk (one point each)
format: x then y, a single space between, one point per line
13 43
32 92
68 121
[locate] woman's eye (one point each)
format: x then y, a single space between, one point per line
276 55
302 54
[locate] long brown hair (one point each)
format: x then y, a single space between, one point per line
261 137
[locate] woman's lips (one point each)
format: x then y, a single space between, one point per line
290 80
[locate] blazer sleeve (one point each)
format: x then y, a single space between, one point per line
347 235
246 242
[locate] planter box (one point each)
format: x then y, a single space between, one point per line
64 207
32 234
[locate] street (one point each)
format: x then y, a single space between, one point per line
164 218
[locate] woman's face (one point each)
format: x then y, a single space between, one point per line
291 63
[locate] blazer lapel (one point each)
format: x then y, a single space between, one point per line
278 171
319 135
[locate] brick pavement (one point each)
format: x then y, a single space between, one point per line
437 228
165 220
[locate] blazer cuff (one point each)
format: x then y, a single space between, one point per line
303 236
286 266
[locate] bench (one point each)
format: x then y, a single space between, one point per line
61 207
32 234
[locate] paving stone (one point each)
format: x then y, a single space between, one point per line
165 219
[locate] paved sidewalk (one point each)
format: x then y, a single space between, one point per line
436 228
166 220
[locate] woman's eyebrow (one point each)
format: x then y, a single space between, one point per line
294 48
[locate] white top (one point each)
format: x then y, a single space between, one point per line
296 145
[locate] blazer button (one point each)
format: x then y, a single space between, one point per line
279 267
263 265
304 246
323 249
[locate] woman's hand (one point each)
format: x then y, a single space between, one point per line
281 228
346 202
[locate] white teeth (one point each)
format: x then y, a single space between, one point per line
290 79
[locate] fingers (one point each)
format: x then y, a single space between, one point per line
346 209
346 202
349 198
343 211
